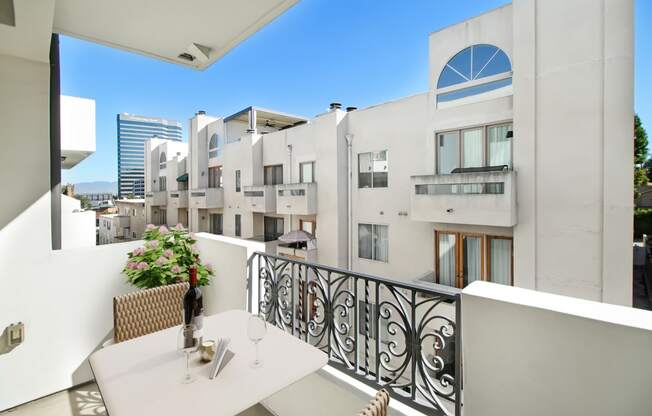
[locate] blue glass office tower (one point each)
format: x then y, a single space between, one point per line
133 131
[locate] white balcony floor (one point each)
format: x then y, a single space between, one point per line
82 401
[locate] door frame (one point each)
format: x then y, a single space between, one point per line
459 255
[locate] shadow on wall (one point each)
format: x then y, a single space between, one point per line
86 400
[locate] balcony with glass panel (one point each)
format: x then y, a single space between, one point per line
474 182
178 199
296 199
206 198
260 198
156 199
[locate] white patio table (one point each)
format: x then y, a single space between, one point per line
143 376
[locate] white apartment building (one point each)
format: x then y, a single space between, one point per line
125 225
166 179
470 180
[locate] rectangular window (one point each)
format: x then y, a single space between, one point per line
308 226
163 217
500 260
215 177
238 225
238 186
162 183
273 175
499 145
307 172
274 228
474 148
373 242
216 223
373 170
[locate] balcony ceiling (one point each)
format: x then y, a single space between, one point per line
164 29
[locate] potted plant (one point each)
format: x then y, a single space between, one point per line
166 258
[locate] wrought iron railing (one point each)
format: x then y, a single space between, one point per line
405 337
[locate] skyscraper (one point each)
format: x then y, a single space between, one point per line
133 131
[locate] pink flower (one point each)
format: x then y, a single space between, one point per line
176 269
131 265
179 227
161 261
191 235
153 243
142 266
168 253
194 248
163 229
150 226
209 267
138 251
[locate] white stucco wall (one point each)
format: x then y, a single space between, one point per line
77 227
533 353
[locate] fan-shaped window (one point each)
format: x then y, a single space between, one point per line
215 145
472 64
162 161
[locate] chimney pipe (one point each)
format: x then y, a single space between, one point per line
200 113
335 106
349 109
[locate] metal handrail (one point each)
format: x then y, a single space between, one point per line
402 336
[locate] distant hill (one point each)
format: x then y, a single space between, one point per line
96 187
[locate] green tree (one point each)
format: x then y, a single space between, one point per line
641 161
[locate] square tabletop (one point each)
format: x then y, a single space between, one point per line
143 376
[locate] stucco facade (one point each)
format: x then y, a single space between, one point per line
502 173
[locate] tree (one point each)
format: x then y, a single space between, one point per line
641 161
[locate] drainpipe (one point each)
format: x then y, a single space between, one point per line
290 157
349 146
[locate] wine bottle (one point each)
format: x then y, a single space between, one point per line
193 307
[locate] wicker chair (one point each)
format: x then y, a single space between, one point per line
378 406
140 313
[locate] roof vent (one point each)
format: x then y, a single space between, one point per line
187 57
349 109
335 106
200 113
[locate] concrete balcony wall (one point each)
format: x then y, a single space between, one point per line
77 130
466 208
156 199
178 199
534 353
206 198
296 199
260 198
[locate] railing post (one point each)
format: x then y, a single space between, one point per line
458 355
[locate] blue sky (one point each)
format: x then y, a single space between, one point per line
355 52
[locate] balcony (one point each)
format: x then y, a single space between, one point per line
296 199
482 198
156 199
178 199
207 198
260 198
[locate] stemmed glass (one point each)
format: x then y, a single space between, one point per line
187 343
256 330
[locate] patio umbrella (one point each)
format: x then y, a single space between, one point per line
296 236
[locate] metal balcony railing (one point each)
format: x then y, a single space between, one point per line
404 337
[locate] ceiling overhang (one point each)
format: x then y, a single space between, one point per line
193 33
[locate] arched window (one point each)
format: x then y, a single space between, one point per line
467 69
162 161
214 146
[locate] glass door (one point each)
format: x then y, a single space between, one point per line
459 258
472 148
448 152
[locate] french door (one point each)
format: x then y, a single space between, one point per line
459 258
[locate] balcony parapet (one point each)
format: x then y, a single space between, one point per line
156 198
206 198
481 198
296 198
178 199
260 198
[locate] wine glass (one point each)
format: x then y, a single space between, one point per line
187 343
256 330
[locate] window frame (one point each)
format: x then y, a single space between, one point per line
312 170
373 247
238 180
488 244
274 169
237 220
485 144
371 182
219 177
